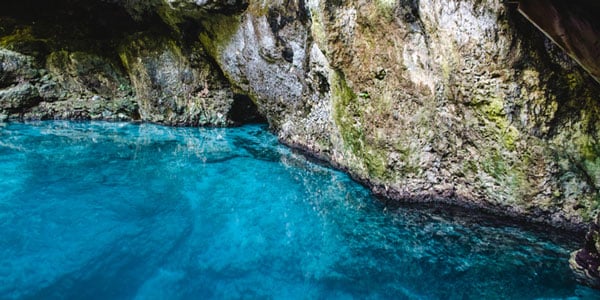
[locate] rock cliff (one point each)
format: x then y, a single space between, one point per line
459 101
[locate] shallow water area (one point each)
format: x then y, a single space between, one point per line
123 211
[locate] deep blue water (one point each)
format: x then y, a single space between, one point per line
124 211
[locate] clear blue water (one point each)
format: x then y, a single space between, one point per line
124 211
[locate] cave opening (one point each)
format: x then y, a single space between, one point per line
244 111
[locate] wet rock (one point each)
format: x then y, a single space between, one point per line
85 73
16 91
15 68
585 262
174 88
18 97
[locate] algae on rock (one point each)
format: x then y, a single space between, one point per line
170 88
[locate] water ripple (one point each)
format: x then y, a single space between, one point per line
122 211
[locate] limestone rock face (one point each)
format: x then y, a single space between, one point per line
111 60
450 101
457 99
16 70
460 102
174 87
264 56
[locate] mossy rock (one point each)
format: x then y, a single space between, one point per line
23 41
86 73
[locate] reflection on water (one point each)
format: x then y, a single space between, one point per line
123 211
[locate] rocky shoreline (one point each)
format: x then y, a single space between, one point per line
447 199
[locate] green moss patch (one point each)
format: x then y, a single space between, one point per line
349 117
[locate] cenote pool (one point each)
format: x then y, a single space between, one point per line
124 211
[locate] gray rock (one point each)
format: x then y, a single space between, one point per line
173 89
18 97
15 68
253 60
85 73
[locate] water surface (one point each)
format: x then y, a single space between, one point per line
124 211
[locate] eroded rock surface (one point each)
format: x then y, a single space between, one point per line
111 60
458 101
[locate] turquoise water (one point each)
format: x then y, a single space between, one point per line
124 211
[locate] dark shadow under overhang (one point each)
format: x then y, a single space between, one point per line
573 25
